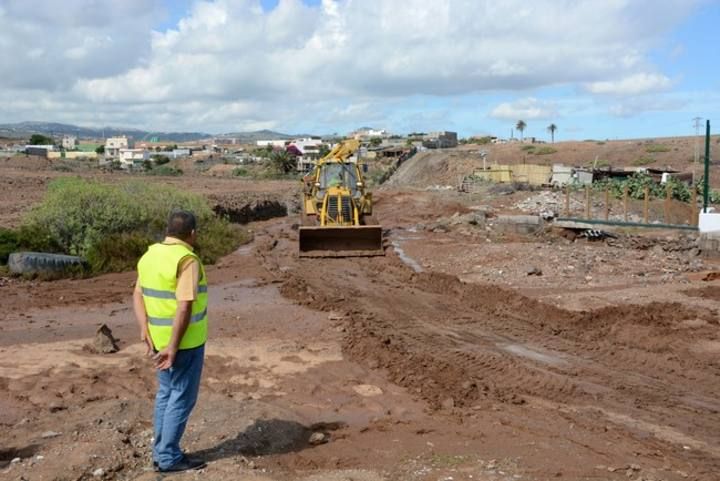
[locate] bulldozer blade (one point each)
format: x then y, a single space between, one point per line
355 241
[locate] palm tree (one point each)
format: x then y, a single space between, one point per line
521 127
552 128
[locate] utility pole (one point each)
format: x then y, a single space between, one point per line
697 123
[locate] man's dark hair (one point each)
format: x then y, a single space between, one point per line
181 223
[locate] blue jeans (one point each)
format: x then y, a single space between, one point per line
177 392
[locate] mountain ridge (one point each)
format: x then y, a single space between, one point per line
27 128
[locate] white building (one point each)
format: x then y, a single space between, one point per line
369 133
440 140
181 152
114 144
130 158
309 149
69 142
272 143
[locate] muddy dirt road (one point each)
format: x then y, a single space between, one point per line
395 374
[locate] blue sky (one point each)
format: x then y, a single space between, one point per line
596 69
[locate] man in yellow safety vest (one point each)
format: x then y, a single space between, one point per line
170 304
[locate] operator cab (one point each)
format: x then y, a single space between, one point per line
338 175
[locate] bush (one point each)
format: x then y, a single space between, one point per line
545 151
165 170
240 172
600 163
160 159
111 225
636 184
527 147
219 238
644 160
117 252
8 244
653 148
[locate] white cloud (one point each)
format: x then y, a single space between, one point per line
231 58
639 83
646 103
528 108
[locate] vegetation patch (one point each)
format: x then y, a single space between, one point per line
639 181
656 148
448 460
644 160
112 225
527 148
599 164
546 150
474 140
165 170
8 244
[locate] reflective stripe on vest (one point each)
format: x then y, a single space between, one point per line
157 270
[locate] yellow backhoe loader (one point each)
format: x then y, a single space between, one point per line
337 210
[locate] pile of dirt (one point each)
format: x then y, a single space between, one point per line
709 292
441 168
244 207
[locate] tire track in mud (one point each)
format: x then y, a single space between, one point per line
460 345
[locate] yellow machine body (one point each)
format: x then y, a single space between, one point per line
337 210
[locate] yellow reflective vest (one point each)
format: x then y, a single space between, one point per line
157 271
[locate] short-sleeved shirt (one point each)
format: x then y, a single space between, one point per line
188 274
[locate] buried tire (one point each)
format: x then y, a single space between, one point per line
39 263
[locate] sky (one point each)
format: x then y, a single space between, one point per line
597 69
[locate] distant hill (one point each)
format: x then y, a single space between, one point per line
251 137
25 129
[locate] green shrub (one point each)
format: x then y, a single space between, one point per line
545 150
644 160
117 252
654 148
600 163
8 244
714 196
636 184
219 238
240 172
160 159
600 142
111 225
527 147
165 170
37 238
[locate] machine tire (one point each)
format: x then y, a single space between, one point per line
39 263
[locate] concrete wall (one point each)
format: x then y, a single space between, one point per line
72 155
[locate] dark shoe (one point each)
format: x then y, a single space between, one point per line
185 464
156 468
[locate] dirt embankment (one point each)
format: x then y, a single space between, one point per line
447 166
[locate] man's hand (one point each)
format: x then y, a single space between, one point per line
145 337
165 358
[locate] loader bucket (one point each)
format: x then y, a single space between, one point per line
355 241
